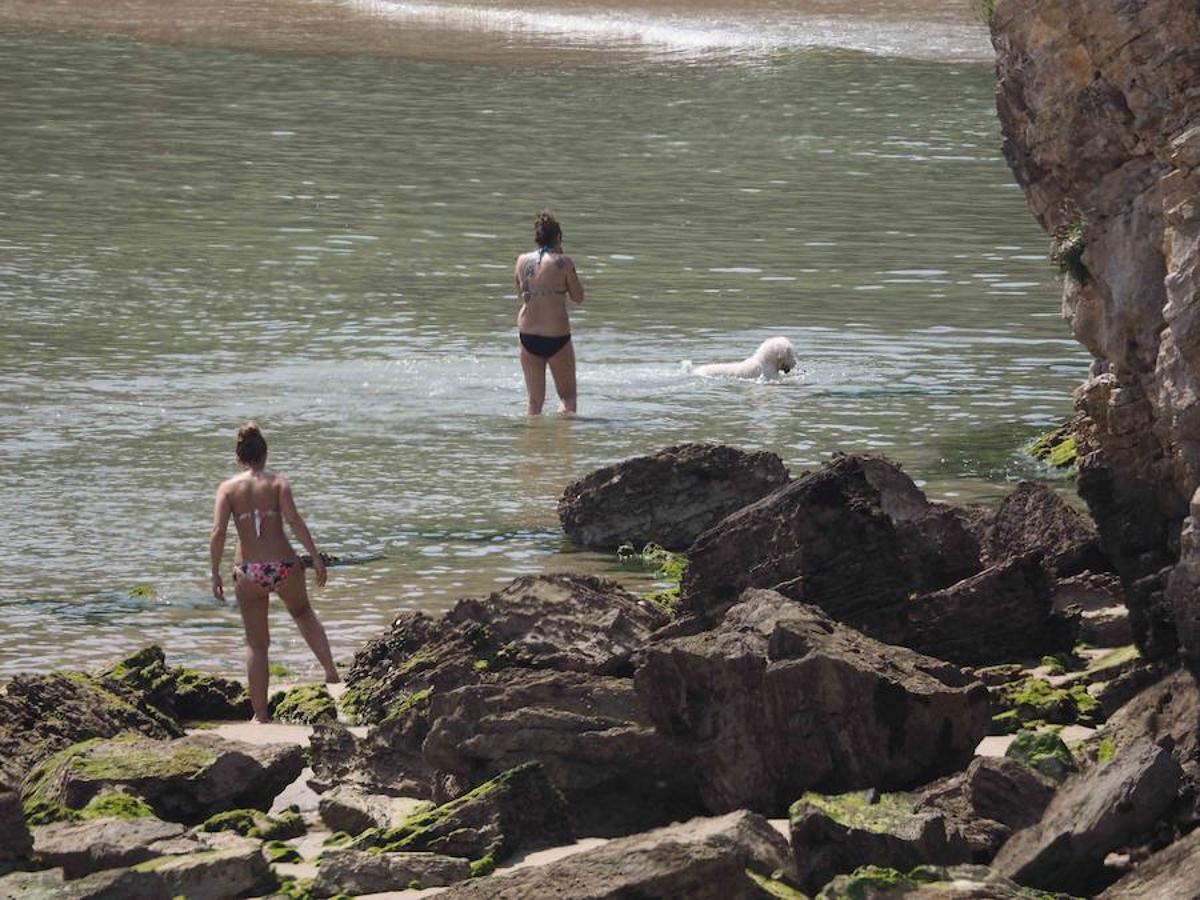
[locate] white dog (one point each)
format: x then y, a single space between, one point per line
773 356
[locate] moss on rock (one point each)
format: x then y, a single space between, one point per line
306 704
1037 700
485 865
116 805
1043 750
255 824
279 852
863 810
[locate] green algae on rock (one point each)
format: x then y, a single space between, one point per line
1043 750
256 824
867 810
1058 448
305 704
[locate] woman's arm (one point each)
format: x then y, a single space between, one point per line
291 515
574 285
216 543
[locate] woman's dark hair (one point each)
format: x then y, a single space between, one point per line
251 445
546 230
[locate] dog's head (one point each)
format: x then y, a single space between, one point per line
780 352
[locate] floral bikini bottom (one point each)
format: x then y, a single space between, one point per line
267 575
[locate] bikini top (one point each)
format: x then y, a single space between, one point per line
259 515
527 291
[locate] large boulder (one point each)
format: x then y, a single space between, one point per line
738 856
1169 873
347 808
856 538
1115 804
1035 518
1166 713
16 843
81 848
42 714
668 498
572 623
355 872
778 699
832 835
963 882
179 693
183 780
519 809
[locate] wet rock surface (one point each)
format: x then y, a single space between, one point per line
778 699
667 498
730 857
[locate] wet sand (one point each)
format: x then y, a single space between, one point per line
534 33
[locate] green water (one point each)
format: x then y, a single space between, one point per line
192 237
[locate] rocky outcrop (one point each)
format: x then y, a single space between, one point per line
16 843
1169 873
1114 804
1034 518
80 848
856 538
738 856
668 498
344 807
778 699
179 693
357 872
928 883
183 780
833 835
1098 107
1166 713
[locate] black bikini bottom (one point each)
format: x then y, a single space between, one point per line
545 347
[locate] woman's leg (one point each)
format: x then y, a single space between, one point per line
252 601
294 592
534 368
562 367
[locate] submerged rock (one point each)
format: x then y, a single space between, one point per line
832 835
183 780
1114 804
778 699
856 538
668 498
738 856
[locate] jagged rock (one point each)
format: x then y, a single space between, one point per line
178 693
358 872
351 810
932 882
1183 588
832 835
1100 600
80 848
1112 805
856 538
1003 613
1169 873
989 801
575 623
778 699
16 843
1166 713
738 856
42 714
1098 110
519 809
1034 518
183 780
668 498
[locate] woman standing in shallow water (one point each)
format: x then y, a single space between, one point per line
544 278
260 502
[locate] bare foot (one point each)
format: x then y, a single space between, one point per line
255 720
333 677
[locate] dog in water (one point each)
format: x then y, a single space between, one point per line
774 355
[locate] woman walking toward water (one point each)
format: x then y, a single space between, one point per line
260 502
544 279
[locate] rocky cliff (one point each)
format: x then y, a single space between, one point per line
1099 103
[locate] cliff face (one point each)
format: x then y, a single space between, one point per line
1099 102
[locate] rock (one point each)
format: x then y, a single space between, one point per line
1043 751
1169 873
1114 804
778 699
668 498
832 835
16 843
1035 518
236 870
1096 111
934 882
257 824
1166 713
42 714
358 872
989 801
856 538
574 623
80 848
1003 613
306 704
732 857
351 810
183 780
1183 588
178 693
519 809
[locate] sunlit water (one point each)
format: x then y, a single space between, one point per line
193 236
